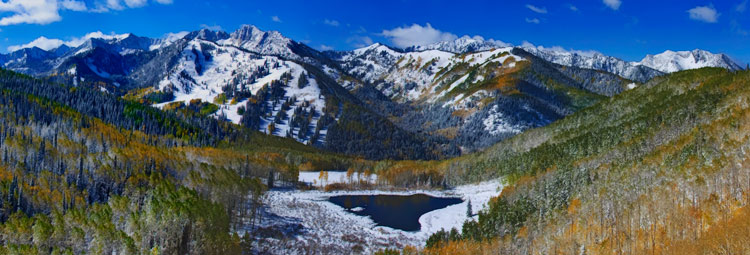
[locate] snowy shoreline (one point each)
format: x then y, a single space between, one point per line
328 226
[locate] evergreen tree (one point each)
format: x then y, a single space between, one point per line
302 82
270 179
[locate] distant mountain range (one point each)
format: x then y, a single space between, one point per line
648 68
423 102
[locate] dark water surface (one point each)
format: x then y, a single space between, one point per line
399 212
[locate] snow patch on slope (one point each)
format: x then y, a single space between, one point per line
205 68
496 123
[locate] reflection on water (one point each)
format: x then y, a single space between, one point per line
399 212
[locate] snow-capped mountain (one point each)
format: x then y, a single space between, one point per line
258 79
123 44
673 61
36 61
377 100
415 75
475 94
264 42
597 61
368 63
228 77
464 44
29 60
650 67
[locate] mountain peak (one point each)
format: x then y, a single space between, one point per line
463 44
208 35
594 60
246 31
375 46
252 38
673 61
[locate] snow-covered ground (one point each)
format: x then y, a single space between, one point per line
328 227
496 123
205 68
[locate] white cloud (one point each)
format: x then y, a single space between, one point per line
41 42
613 4
75 42
214 27
333 23
499 43
325 47
541 10
491 41
417 35
49 44
73 5
29 12
359 41
135 3
534 20
704 13
115 5
573 8
171 37
42 12
276 19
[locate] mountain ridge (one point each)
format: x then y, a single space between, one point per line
469 92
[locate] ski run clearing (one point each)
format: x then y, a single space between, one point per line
314 225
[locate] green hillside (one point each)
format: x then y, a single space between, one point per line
86 172
645 171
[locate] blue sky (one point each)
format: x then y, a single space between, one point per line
627 29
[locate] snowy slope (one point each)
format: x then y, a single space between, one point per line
371 62
477 59
412 75
415 75
597 61
466 89
459 89
205 68
673 61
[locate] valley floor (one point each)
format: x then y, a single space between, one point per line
311 224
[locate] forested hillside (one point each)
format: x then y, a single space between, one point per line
85 172
658 169
120 144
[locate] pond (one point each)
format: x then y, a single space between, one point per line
395 211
